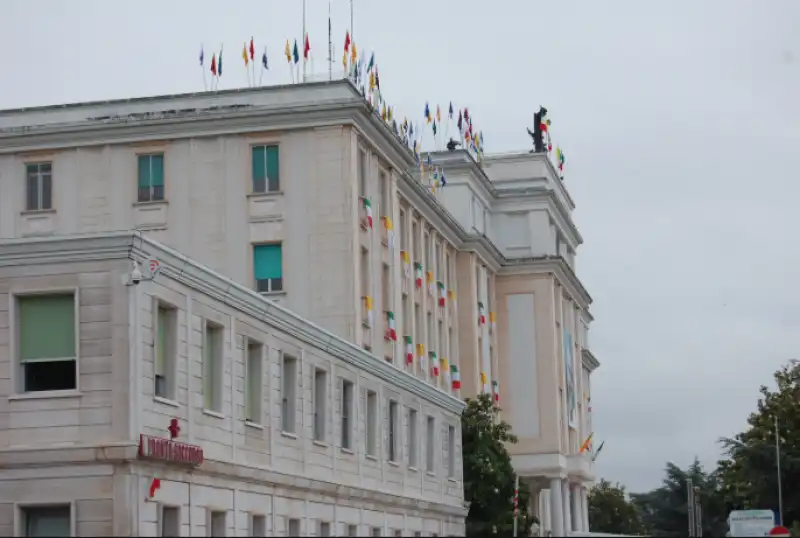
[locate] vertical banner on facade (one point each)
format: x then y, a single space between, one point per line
569 374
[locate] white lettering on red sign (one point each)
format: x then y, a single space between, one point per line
159 448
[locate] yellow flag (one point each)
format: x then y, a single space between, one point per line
368 302
288 52
245 57
587 443
371 80
353 53
344 60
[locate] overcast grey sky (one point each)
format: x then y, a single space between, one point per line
679 121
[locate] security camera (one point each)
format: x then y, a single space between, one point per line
136 274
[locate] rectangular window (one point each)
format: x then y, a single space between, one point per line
39 186
213 367
320 403
324 528
431 334
217 523
352 530
376 531
394 425
288 393
398 534
266 169
417 534
430 435
451 451
418 336
438 257
385 208
426 242
258 525
415 242
254 377
406 328
170 521
401 230
165 351
47 342
449 276
47 521
413 438
365 279
362 173
386 287
151 178
347 413
268 268
293 527
372 422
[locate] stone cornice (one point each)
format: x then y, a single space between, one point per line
557 207
289 485
552 264
120 245
526 157
589 361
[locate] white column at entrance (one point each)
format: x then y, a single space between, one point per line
585 503
556 507
577 508
567 507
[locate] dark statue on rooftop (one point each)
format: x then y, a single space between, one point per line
452 145
539 119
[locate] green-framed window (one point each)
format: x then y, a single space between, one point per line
266 169
47 342
151 177
268 267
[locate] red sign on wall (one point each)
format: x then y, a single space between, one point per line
161 448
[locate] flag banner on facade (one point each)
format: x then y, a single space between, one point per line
442 293
444 364
368 307
434 364
406 263
496 391
367 211
418 275
409 351
597 452
431 284
391 333
484 379
456 377
481 314
387 224
587 445
421 356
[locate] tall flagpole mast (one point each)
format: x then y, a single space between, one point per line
352 32
303 40
778 470
330 44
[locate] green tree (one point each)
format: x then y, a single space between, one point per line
488 475
749 473
664 509
610 510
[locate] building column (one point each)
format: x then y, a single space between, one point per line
585 503
577 508
565 492
556 508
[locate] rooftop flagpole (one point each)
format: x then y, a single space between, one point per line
330 44
303 40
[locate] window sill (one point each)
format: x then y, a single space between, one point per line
393 463
348 451
321 444
254 425
413 469
289 435
268 194
452 480
215 414
45 394
269 294
150 203
166 401
28 212
371 457
430 474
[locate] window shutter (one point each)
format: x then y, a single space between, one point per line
47 326
156 170
259 163
273 166
268 261
161 343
